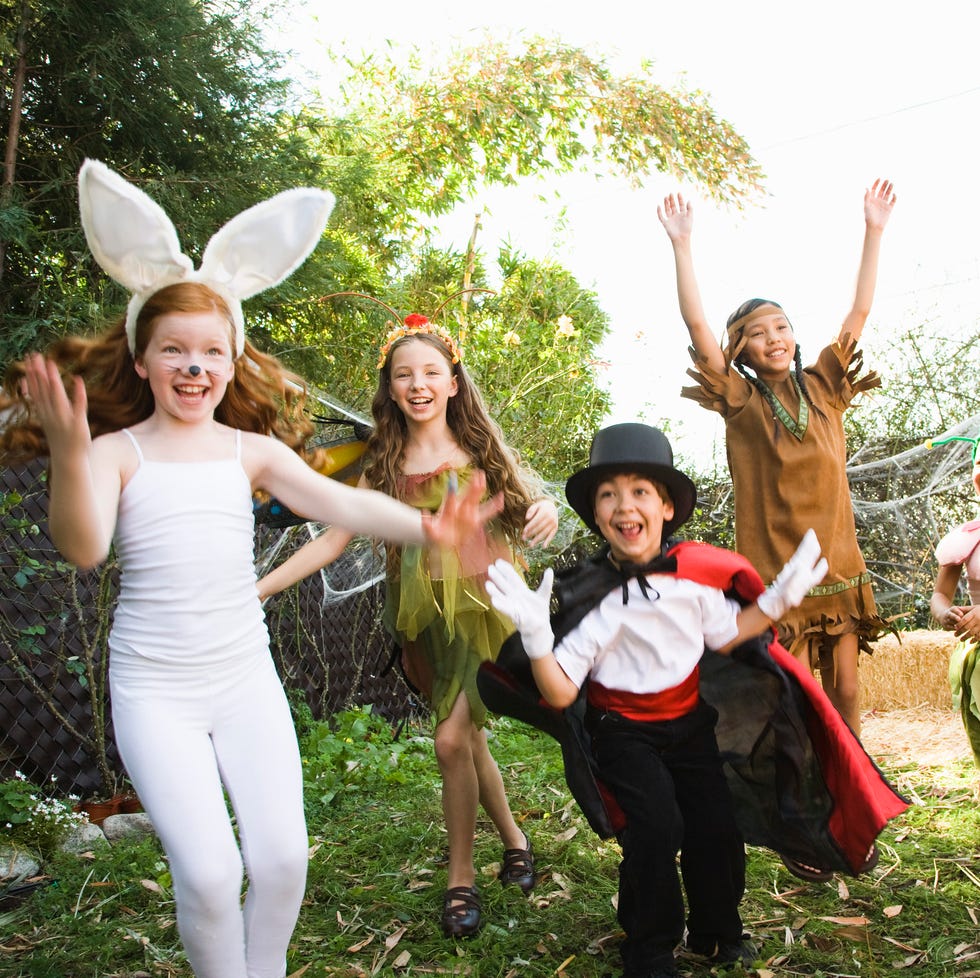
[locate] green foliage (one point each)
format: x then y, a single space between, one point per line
928 386
377 874
497 112
904 498
713 519
207 136
355 751
177 95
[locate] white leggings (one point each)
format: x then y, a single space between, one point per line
184 737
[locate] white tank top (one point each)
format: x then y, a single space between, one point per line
185 542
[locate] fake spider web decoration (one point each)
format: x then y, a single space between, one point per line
903 504
361 565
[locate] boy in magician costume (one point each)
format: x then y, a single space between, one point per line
667 746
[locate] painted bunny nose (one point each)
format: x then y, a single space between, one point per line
193 369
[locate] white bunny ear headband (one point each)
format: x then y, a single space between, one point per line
136 243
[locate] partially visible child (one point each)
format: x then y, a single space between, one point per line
959 550
158 432
786 452
653 737
431 428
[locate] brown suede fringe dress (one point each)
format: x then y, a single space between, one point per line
787 462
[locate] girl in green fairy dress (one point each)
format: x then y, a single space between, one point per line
431 431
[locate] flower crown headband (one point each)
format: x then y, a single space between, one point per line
414 324
136 244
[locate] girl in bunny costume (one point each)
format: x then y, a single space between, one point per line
182 408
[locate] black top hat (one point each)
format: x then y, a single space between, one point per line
637 449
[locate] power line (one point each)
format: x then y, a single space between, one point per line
874 118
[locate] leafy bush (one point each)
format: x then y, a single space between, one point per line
31 820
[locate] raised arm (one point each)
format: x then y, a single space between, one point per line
878 204
274 467
84 482
677 217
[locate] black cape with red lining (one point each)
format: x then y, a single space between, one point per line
803 785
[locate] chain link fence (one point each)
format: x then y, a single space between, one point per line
55 721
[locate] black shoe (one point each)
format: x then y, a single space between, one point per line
518 867
742 951
736 952
461 911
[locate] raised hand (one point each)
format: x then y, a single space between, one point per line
800 573
677 217
528 610
64 418
461 516
878 204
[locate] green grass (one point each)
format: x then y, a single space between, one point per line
377 874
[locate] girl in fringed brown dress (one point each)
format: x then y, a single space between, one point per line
785 444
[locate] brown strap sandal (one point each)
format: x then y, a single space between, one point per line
461 911
518 867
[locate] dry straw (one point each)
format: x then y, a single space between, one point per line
907 674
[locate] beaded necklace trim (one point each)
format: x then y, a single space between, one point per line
796 427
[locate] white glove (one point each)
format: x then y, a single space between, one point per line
529 610
800 573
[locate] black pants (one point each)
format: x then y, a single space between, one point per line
667 777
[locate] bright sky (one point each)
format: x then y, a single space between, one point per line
829 96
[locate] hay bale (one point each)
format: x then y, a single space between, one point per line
908 672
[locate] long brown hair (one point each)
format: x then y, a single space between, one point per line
263 396
475 432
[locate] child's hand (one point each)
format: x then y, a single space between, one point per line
529 610
462 516
966 623
800 573
63 418
950 618
677 217
878 204
540 523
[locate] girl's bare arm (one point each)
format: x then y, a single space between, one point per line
878 204
85 477
278 470
677 217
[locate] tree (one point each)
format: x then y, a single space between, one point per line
175 94
182 99
400 147
499 112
